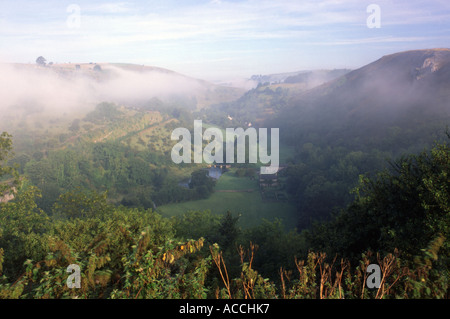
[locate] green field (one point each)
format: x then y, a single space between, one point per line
248 204
230 182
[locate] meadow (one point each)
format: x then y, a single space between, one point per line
241 196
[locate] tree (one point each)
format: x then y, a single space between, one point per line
5 170
41 61
75 126
5 149
202 183
82 204
228 230
405 208
104 112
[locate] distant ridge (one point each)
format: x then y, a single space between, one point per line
138 79
408 89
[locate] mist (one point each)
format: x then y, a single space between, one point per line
61 90
405 90
123 86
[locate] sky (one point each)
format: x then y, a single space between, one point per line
219 40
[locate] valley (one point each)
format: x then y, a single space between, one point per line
126 144
87 175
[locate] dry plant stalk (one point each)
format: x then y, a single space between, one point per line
283 285
388 267
365 264
218 260
248 285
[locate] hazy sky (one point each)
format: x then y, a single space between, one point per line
218 39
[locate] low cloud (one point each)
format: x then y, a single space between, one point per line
28 90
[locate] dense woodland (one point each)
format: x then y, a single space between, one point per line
399 219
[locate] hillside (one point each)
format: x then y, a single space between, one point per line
270 95
402 91
309 78
360 122
69 88
180 87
